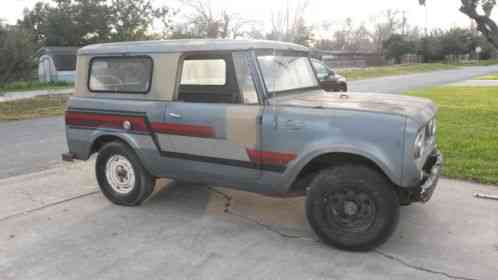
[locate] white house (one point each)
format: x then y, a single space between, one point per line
57 64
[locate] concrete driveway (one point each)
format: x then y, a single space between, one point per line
54 224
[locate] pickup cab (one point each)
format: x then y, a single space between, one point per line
251 115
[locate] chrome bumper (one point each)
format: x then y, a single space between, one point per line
432 173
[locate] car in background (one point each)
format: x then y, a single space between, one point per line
329 79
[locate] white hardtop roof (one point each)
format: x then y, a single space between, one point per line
186 45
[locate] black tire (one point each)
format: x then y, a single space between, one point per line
334 218
144 182
343 87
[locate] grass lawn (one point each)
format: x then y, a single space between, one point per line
42 106
487 62
489 77
33 85
468 131
394 70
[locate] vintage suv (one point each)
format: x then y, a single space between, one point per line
250 115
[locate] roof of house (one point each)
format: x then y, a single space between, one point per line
57 50
186 45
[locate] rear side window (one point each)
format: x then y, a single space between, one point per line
120 74
205 72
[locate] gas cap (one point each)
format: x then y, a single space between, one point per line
127 125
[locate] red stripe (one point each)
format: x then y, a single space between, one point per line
184 130
270 158
91 120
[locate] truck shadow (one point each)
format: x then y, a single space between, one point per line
284 216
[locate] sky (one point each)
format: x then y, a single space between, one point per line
440 13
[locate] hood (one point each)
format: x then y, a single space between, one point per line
340 78
419 109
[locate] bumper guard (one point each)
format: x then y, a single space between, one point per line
432 174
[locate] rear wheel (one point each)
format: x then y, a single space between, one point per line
121 176
352 207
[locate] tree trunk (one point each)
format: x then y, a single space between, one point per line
485 25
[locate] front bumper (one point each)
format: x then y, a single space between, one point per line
432 172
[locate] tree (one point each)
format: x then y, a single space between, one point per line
397 46
203 22
68 23
131 20
352 39
16 54
430 47
82 22
458 41
385 25
480 11
288 24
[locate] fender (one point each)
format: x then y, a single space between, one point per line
136 142
391 167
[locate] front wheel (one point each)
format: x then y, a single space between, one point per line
343 87
352 207
121 176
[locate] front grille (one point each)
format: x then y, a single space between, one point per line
430 162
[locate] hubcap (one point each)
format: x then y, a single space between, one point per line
349 209
120 174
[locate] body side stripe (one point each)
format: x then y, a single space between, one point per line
113 120
199 131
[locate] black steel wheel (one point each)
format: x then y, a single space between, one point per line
352 207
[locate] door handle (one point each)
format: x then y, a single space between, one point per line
176 116
294 125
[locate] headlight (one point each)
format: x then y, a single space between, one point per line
419 144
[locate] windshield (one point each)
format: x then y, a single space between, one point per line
284 73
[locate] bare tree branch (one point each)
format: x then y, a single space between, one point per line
485 24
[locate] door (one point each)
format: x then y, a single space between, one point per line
213 126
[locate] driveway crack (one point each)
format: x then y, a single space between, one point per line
421 268
228 200
29 211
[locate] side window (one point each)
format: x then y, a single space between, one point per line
204 72
120 74
244 78
208 78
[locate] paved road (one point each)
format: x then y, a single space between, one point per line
54 225
26 146
401 84
31 145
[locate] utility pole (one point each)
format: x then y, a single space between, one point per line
426 11
426 20
403 26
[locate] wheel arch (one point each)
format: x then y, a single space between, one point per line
334 158
100 140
